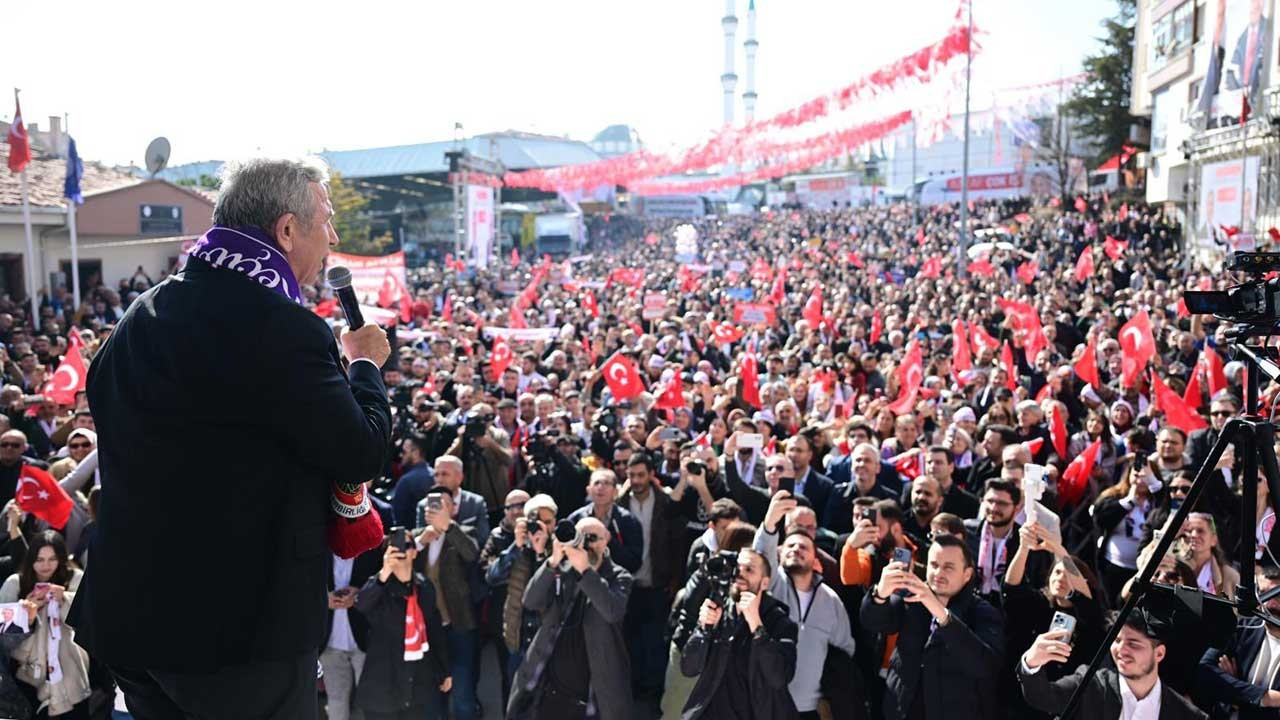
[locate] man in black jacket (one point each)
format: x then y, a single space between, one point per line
745 661
950 641
1243 675
342 657
222 372
1132 690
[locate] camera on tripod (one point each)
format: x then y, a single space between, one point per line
1253 302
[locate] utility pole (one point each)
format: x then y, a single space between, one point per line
962 271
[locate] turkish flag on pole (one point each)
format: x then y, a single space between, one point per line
1212 363
1114 248
19 141
910 376
1058 431
446 313
981 268
812 311
673 396
1081 205
1191 396
932 267
963 359
500 358
589 302
69 378
517 318
1137 347
1010 368
1084 264
623 377
725 333
778 294
982 338
751 380
1075 479
1175 409
1027 272
877 327
39 494
1087 368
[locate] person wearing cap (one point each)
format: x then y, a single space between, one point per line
1132 691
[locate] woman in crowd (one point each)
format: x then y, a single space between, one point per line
406 667
1119 515
1200 550
1097 427
49 661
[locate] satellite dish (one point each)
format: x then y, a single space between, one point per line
157 155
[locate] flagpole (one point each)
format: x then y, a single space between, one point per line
1244 153
71 226
31 251
962 271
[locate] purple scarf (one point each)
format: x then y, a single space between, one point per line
250 251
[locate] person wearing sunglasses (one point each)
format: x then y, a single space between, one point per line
80 443
13 448
1221 409
578 658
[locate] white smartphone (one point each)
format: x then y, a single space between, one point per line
751 440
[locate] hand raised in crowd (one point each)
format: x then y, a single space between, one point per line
780 504
438 520
369 341
709 614
577 557
13 517
521 532
1048 647
865 533
557 553
395 562
538 538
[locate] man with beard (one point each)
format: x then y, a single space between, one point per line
577 663
926 503
941 466
950 641
993 537
744 661
1132 690
813 605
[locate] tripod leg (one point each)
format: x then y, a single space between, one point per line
1271 471
1233 428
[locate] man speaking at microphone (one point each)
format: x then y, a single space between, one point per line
228 429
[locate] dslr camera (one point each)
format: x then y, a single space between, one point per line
719 570
543 444
476 425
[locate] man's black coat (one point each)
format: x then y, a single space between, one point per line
223 415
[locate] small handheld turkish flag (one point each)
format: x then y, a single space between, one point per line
500 358
726 333
69 378
39 494
623 378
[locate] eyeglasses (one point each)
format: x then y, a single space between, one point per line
80 446
1179 489
514 506
16 445
1221 413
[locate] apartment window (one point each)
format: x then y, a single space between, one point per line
1160 112
1171 34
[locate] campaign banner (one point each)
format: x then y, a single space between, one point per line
1239 35
522 334
655 306
1221 198
754 314
741 294
480 224
376 280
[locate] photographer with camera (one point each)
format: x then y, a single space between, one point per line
486 456
577 665
743 651
509 572
500 539
554 471
625 536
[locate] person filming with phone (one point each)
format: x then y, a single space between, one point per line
577 665
950 641
1132 690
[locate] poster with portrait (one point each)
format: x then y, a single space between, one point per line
13 618
1220 202
1239 58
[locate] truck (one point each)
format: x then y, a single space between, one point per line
558 234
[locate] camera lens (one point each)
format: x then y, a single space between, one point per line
565 531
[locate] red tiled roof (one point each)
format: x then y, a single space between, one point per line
45 177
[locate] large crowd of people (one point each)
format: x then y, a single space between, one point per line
785 478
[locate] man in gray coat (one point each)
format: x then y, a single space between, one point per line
577 666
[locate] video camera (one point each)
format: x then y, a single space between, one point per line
567 533
1253 303
476 425
719 570
542 444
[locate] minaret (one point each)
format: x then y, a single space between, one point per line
728 80
749 97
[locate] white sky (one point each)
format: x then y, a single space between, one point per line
233 78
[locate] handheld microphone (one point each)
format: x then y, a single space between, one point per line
340 280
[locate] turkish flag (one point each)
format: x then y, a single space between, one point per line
920 235
628 276
1026 318
1033 445
1058 431
325 308
39 494
500 358
932 267
1191 396
1081 205
812 311
1114 248
963 359
589 302
1087 368
1075 479
1027 272
877 327
623 377
1043 392
19 143
1084 264
982 338
591 350
1124 212
725 333
70 376
1212 364
1183 311
854 260
1176 411
1010 368
673 396
909 467
910 375
1137 347
751 380
517 318
778 294
1274 233
981 268
446 313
